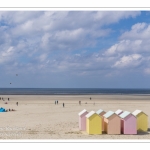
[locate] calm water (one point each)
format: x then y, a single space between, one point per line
71 91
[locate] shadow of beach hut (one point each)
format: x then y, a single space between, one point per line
112 123
93 123
119 111
128 123
142 120
101 113
82 120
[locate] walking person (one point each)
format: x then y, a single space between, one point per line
63 104
17 103
57 102
8 99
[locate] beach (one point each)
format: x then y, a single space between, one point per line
38 117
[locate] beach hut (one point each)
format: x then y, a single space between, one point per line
112 123
128 123
142 120
82 120
93 123
119 111
101 113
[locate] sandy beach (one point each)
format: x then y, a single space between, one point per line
37 116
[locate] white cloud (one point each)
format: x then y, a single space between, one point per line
126 46
138 31
34 38
129 61
133 48
114 16
5 55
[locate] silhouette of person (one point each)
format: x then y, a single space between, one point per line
63 104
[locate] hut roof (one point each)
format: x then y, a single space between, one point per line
108 114
136 112
90 114
124 114
118 111
99 111
82 112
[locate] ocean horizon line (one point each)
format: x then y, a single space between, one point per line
71 91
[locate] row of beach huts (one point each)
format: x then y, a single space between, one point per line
118 122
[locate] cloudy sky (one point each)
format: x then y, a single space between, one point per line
75 49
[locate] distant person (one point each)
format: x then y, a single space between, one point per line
8 99
90 98
63 104
57 102
0 98
17 103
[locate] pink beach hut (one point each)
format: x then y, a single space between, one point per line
101 113
128 123
119 111
112 123
82 120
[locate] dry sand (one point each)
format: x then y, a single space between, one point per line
37 116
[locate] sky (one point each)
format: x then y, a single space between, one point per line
74 49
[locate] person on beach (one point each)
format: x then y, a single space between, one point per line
0 98
90 98
17 103
57 102
63 104
8 99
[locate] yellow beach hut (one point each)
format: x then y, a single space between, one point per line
101 113
93 123
142 120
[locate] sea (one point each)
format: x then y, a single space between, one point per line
71 91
